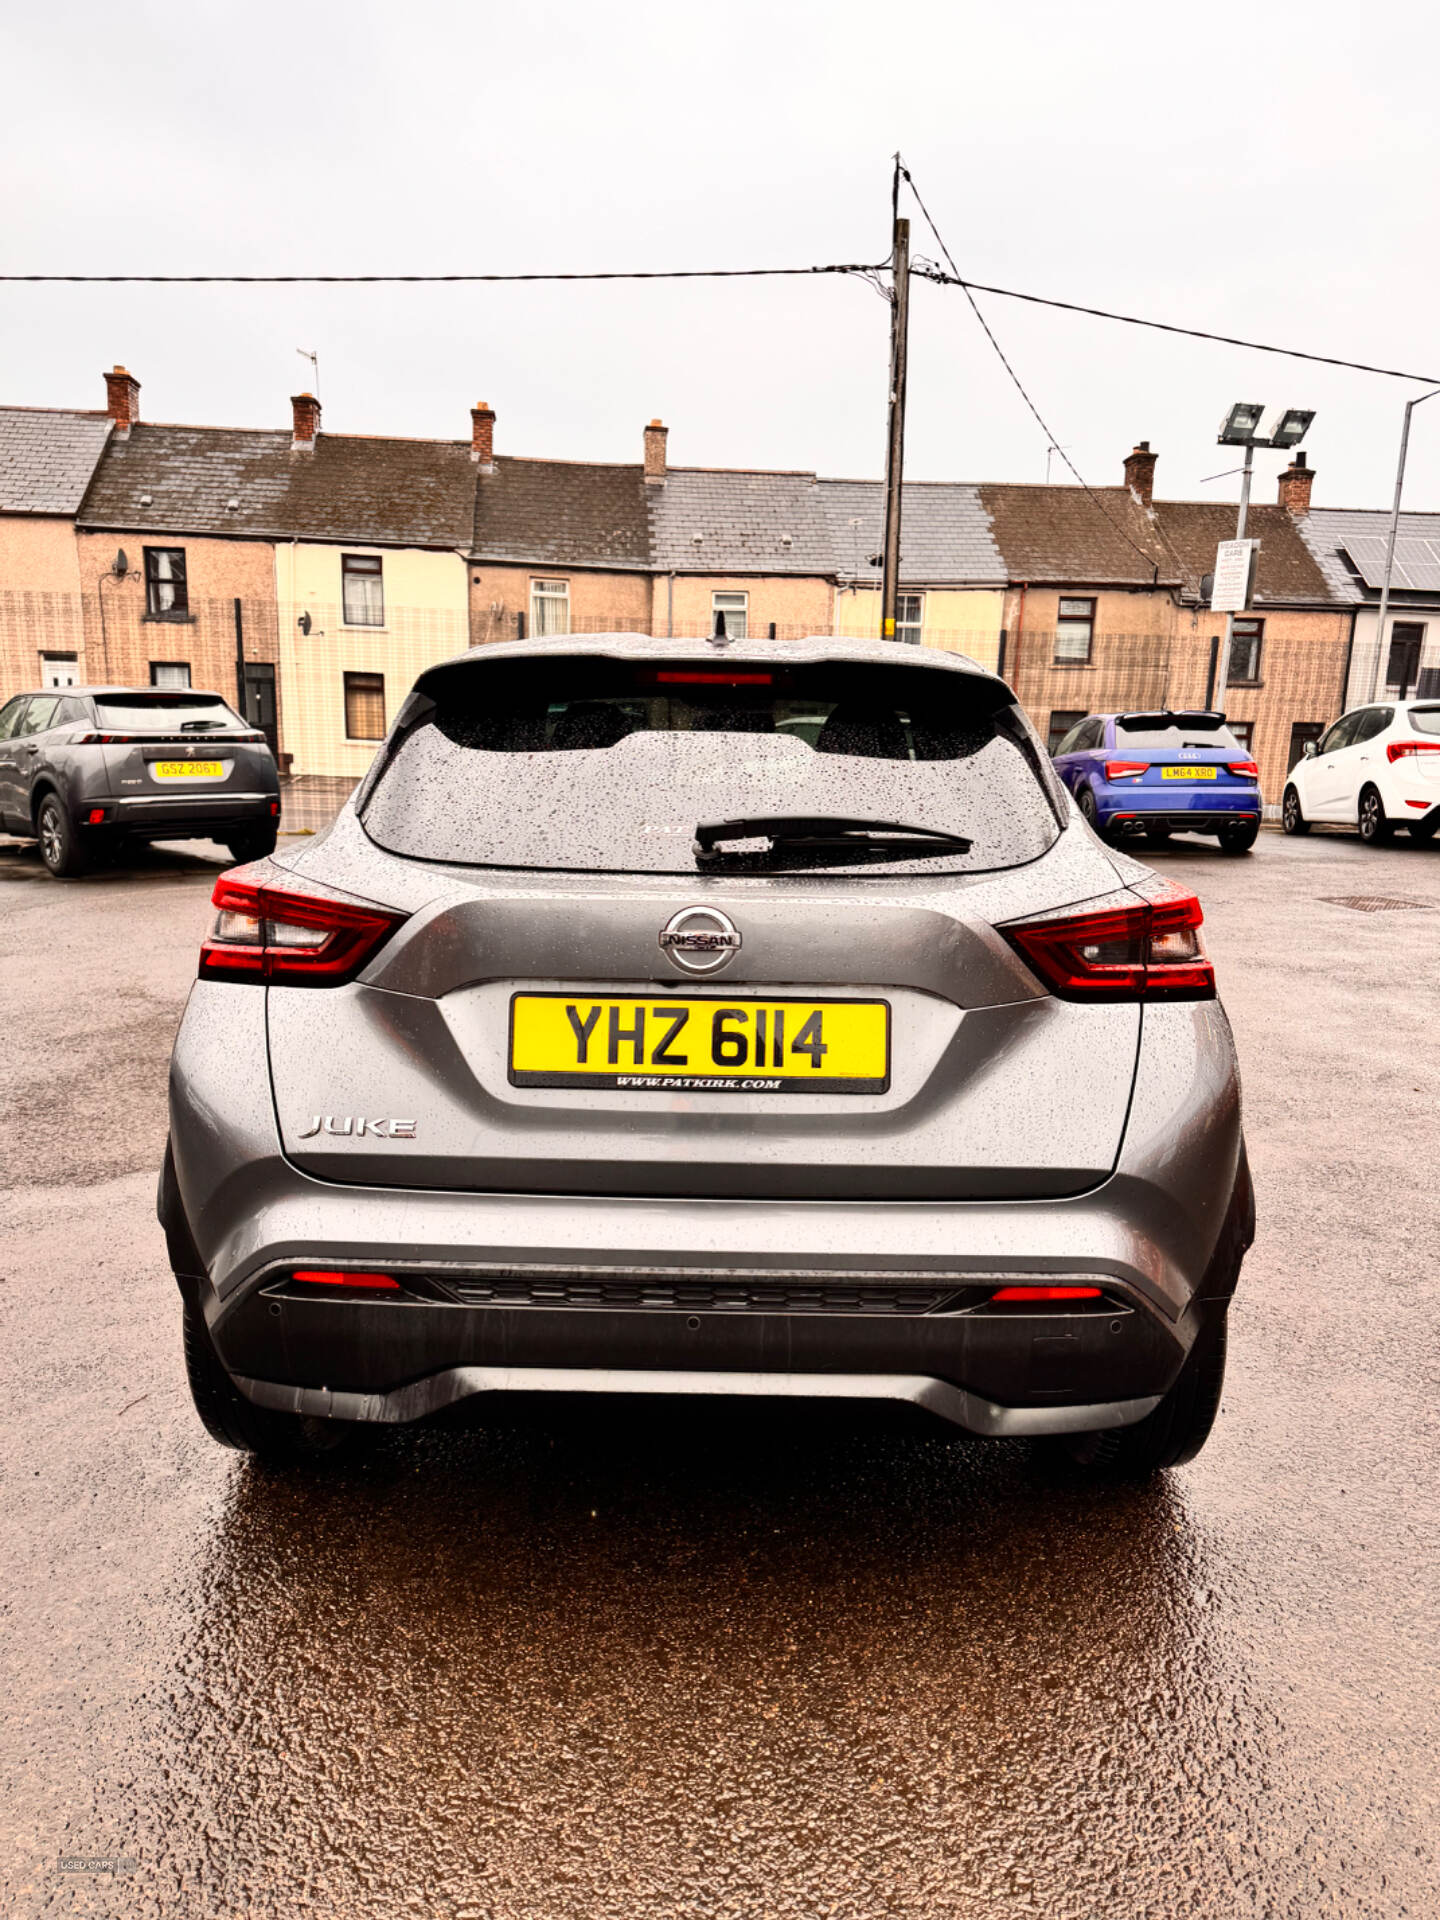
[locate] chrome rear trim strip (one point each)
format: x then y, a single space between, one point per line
208 795
953 1404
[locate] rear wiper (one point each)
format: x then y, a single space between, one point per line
199 726
828 834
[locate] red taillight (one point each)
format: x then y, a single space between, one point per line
1150 951
261 933
1243 769
376 1282
1408 749
95 817
1028 1294
1125 769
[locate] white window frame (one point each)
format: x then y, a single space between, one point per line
58 670
549 608
910 618
728 600
163 672
373 569
1065 640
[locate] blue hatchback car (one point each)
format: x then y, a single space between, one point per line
1158 773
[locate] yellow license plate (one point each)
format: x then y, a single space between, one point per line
1188 773
655 1044
187 769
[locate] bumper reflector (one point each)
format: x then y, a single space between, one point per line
1037 1294
325 1277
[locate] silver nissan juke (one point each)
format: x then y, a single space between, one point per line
687 1017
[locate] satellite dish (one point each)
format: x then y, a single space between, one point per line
120 565
304 623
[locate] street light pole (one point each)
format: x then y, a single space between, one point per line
1410 406
1222 669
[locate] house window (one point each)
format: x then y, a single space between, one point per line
59 670
165 588
1407 638
363 587
730 614
1244 732
909 617
169 673
364 706
1062 719
549 607
1246 637
1074 633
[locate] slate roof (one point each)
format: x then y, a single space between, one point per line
374 492
1327 529
47 455
708 520
562 513
946 536
1288 574
1074 538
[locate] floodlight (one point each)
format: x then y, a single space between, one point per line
1293 427
1240 425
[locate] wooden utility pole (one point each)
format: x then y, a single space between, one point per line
895 451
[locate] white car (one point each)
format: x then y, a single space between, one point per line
1377 768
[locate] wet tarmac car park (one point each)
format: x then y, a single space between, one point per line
721 1659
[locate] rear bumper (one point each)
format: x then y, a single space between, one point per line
1184 819
953 1404
203 816
1180 800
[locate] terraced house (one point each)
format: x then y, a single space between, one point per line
315 574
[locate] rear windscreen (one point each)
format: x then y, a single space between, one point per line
585 765
1425 719
164 712
1175 730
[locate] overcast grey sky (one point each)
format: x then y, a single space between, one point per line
1262 169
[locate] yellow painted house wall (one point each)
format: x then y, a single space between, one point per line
955 619
426 621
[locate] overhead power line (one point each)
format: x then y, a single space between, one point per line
1052 439
1162 326
421 279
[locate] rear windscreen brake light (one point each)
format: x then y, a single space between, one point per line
1151 951
293 939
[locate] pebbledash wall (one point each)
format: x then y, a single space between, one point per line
124 642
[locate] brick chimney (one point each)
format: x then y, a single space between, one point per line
1295 485
306 409
482 435
1140 473
655 435
122 400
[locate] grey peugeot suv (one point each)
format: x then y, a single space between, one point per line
625 1035
85 769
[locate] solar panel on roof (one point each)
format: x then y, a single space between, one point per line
1417 562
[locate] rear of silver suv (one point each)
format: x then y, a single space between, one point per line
664 1018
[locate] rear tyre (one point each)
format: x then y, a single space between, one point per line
279 1439
1087 806
1174 1433
252 843
1425 829
60 847
1291 818
1238 839
1375 827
